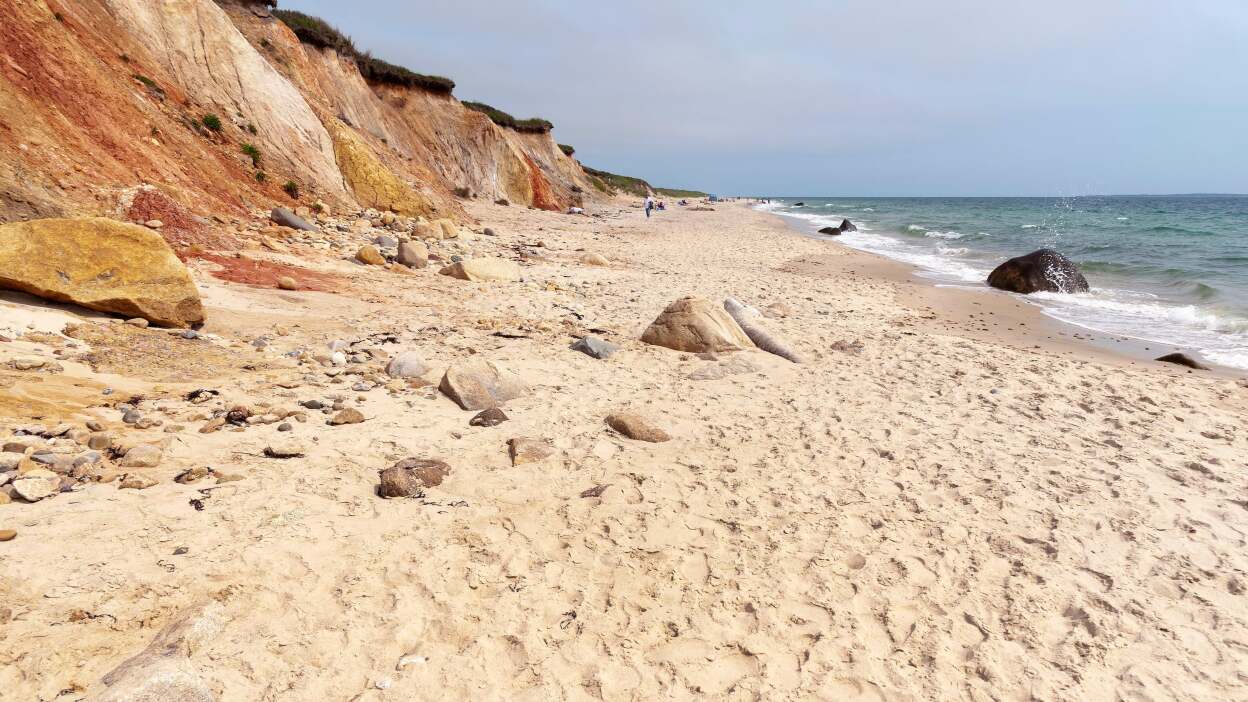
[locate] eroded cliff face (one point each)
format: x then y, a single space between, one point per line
98 97
432 138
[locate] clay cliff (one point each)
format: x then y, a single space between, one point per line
222 108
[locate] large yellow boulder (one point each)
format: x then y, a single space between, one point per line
696 325
100 264
373 184
447 228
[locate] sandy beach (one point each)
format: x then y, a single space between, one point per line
948 500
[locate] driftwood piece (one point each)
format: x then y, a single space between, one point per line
748 320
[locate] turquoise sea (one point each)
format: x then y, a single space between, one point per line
1166 269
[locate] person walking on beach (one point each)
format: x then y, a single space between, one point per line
649 205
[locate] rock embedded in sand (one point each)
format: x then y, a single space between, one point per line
413 254
478 384
287 283
593 259
134 481
408 477
524 450
8 534
286 218
163 671
347 416
1044 270
696 325
636 427
479 270
594 347
142 456
284 449
35 485
100 264
491 417
369 254
409 364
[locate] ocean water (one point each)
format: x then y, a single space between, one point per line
1166 269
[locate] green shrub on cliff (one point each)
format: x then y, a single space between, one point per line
566 149
315 31
212 122
253 153
606 181
535 125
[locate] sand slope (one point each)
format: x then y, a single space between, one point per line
936 517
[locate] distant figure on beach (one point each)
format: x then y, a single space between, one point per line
661 206
649 205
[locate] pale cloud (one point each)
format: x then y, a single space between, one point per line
853 96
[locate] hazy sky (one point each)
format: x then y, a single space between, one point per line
853 97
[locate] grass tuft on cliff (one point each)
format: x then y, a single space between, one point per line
315 31
677 192
567 149
612 182
535 125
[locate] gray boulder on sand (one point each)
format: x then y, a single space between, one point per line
478 384
286 218
594 347
698 326
753 328
1044 270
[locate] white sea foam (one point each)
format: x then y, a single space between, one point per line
916 228
1030 226
943 235
1222 338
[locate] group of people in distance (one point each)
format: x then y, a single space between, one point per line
652 204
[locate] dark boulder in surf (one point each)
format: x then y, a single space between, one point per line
1183 359
833 231
799 204
847 226
1039 271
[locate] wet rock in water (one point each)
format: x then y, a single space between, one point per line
524 450
831 231
347 416
142 456
287 283
478 384
592 259
163 671
636 427
1183 359
413 254
409 364
370 255
8 534
286 218
284 449
100 264
594 347
847 226
696 325
483 270
491 417
410 476
35 485
1044 270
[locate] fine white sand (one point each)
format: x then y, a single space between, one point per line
957 511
